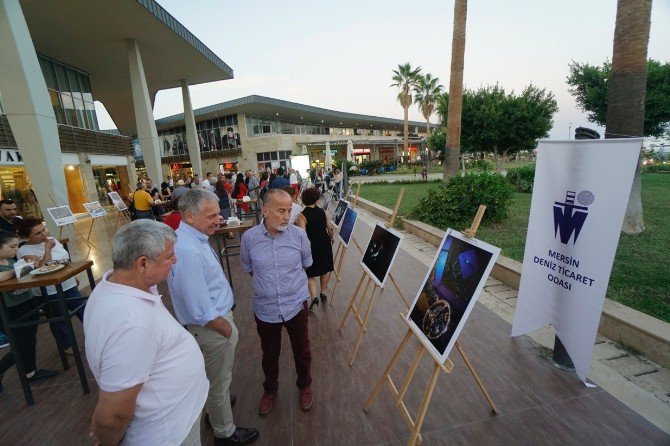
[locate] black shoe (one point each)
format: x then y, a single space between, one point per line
41 374
323 297
315 302
242 435
233 398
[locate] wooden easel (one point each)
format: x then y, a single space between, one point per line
356 303
126 217
338 261
390 223
358 193
447 367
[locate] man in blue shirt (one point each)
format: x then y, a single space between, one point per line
276 254
203 302
280 181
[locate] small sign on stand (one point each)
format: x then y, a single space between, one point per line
95 210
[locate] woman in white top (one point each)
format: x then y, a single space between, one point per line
46 249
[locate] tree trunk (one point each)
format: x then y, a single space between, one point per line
405 141
453 146
627 90
429 149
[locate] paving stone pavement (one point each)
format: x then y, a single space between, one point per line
628 376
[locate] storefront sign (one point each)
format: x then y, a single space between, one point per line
361 151
10 157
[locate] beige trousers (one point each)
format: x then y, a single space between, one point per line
219 354
193 437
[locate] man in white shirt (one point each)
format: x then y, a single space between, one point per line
149 369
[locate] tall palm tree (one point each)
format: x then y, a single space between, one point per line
426 93
627 90
453 146
405 78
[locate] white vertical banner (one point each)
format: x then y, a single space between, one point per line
579 201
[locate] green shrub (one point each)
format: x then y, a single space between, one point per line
655 168
522 178
455 203
479 164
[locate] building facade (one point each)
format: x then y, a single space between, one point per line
257 133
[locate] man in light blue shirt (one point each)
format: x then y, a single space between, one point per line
276 254
203 301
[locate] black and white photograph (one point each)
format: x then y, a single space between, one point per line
380 253
450 290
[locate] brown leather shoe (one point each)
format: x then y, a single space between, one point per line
306 399
266 403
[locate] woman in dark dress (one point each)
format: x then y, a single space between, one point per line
320 233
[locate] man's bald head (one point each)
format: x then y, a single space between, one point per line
273 195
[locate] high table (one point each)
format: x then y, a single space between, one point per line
224 251
41 281
256 210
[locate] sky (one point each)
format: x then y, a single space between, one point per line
340 55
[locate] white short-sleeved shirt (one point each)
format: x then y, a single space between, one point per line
58 252
131 338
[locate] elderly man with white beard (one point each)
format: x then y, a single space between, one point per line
276 254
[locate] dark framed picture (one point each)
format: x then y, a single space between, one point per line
347 226
380 253
338 213
450 290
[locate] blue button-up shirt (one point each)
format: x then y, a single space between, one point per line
199 289
278 264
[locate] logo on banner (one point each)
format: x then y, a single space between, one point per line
569 217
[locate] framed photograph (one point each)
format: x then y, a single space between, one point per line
62 215
338 213
382 248
95 209
117 201
347 227
449 291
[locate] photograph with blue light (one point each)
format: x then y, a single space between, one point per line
450 290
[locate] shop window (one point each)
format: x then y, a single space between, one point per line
273 156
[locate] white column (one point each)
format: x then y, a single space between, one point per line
191 134
144 117
28 107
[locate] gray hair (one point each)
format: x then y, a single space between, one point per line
139 238
192 200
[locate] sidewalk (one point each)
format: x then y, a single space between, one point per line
634 380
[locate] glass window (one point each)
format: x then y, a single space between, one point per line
266 156
61 77
273 156
58 109
73 81
259 157
48 72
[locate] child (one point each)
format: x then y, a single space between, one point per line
17 304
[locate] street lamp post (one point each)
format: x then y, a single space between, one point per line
569 130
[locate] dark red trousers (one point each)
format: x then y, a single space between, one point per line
298 333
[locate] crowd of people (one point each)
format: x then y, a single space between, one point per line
157 372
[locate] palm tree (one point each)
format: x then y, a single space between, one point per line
453 147
405 78
627 89
426 93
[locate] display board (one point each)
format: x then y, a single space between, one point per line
117 201
380 253
338 213
449 291
95 209
347 227
62 215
